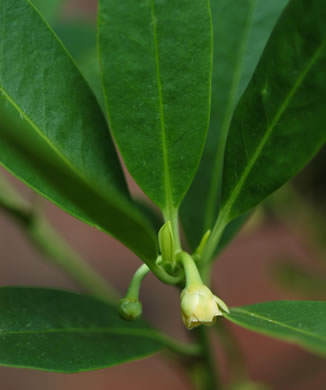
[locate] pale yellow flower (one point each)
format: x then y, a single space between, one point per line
199 306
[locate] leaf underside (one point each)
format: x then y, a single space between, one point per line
279 124
240 35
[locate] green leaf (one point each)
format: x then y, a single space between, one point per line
58 116
299 322
61 331
278 125
110 213
49 9
156 66
54 98
240 34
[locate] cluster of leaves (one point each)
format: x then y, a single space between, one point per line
212 106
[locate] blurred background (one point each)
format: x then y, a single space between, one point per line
279 254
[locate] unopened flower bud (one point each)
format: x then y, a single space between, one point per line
130 308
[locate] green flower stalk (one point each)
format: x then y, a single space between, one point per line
130 307
199 306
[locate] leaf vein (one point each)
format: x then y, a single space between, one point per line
167 179
271 321
218 163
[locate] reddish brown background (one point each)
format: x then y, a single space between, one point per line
241 275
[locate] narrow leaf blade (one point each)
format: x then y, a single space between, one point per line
240 35
299 322
65 332
279 123
156 67
53 97
56 112
108 212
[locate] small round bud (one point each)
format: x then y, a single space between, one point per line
130 309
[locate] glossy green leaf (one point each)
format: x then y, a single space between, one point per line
112 214
240 34
61 331
156 65
58 115
279 124
299 322
54 98
49 9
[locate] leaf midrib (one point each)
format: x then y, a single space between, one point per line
167 178
137 332
274 322
217 165
28 119
39 131
236 191
122 331
31 122
115 200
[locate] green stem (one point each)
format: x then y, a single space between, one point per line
190 268
13 203
175 346
206 273
233 352
50 243
135 284
164 277
210 375
213 240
